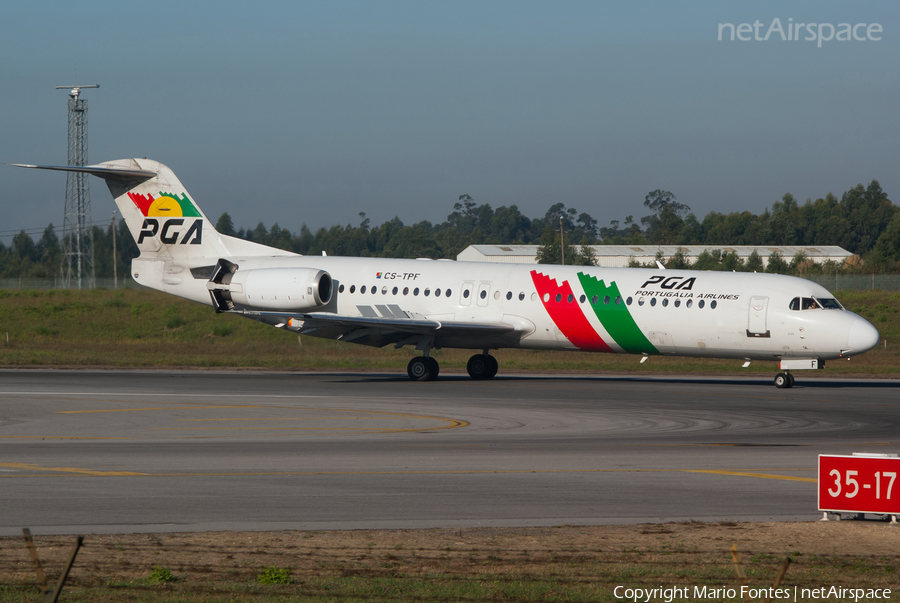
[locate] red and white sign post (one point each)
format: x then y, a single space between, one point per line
859 484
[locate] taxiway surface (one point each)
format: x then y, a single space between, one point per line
92 452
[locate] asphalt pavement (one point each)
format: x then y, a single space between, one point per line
153 451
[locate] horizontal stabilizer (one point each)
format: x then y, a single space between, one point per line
101 171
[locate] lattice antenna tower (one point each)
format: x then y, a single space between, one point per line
78 235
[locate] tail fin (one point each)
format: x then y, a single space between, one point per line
161 216
171 231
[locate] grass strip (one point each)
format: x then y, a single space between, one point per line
144 328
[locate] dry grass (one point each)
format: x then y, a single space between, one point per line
486 564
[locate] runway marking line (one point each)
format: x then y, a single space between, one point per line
362 429
270 419
10 437
73 472
76 470
450 423
81 412
791 478
64 396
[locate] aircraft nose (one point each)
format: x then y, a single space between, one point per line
863 336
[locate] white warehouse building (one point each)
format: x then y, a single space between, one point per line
619 256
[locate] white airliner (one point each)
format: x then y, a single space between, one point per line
445 304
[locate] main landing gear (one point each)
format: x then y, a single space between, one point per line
784 380
423 368
426 368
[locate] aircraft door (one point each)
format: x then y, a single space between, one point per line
484 292
756 324
466 293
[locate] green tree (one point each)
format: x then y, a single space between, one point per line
586 256
678 261
708 260
798 262
666 223
776 264
224 225
869 211
754 262
731 262
549 250
886 254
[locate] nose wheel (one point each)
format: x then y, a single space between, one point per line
784 380
421 368
482 366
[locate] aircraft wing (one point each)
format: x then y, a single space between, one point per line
377 330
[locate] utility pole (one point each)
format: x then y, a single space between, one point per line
78 236
115 272
562 242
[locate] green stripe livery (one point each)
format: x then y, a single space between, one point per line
616 318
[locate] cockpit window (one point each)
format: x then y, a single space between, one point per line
815 303
829 303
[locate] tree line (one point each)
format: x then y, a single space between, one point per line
863 221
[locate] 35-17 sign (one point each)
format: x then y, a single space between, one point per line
859 484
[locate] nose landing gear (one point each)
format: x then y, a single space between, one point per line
482 366
784 380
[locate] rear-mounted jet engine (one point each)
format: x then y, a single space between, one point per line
278 289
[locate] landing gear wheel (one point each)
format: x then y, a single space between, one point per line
790 380
482 366
422 369
433 367
782 380
495 366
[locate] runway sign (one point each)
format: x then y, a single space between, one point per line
859 484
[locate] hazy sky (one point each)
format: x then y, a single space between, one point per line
312 112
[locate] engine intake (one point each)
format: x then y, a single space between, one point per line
287 289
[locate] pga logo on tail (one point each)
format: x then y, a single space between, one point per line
173 211
151 226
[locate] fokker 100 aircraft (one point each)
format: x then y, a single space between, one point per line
445 304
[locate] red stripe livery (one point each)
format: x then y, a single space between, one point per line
567 315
